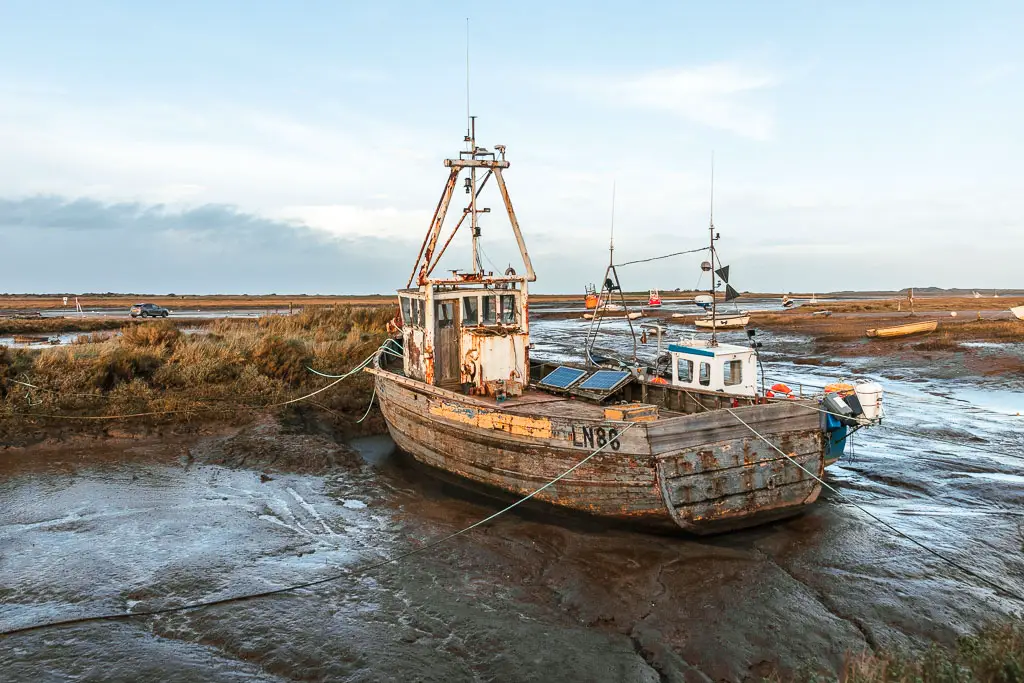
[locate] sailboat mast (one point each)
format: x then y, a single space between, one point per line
711 230
611 241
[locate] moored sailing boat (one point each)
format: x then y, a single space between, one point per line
699 448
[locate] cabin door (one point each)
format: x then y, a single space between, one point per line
446 344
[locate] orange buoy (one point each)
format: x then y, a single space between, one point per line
781 388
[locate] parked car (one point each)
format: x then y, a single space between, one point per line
148 310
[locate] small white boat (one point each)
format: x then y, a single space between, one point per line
723 322
1018 311
632 315
787 302
704 301
654 300
814 299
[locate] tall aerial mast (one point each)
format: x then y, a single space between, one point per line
714 275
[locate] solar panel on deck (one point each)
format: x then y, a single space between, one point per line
604 380
563 377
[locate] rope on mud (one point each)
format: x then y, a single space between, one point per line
921 435
981 449
656 258
998 588
309 584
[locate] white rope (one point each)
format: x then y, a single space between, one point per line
373 395
995 586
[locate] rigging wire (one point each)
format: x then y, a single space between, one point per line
656 258
998 588
118 616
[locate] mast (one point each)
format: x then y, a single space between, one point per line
471 188
711 230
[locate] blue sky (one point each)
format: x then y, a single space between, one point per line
297 147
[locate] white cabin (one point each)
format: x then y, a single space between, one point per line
728 368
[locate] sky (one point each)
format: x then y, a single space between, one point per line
297 147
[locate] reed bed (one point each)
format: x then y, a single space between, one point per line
230 371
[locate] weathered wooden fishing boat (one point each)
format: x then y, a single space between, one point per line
691 444
904 330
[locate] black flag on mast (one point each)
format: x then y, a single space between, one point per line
730 293
723 273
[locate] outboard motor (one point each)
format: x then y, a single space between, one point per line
839 409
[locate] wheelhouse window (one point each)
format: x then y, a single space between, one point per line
406 310
471 311
684 370
445 313
732 373
508 309
705 374
416 317
490 310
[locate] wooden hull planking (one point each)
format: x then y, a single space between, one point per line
705 473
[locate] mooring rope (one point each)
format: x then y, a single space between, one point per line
921 435
117 616
373 395
948 560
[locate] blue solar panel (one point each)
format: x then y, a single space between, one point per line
563 377
604 380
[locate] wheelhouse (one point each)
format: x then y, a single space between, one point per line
726 368
472 338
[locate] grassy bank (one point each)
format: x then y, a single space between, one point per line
994 655
9 326
229 372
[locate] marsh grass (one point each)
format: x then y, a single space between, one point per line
230 371
995 654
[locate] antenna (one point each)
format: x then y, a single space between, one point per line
611 242
712 211
467 81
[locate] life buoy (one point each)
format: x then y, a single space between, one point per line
841 388
781 388
659 380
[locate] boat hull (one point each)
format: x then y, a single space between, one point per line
723 323
1018 312
904 330
702 473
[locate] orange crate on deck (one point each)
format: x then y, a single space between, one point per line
632 412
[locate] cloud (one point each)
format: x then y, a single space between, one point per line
722 95
57 244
